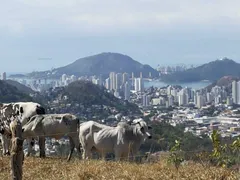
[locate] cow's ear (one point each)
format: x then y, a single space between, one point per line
149 127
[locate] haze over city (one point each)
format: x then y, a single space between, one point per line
39 35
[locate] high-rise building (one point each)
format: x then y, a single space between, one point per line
112 80
125 78
209 97
170 100
183 97
133 81
229 101
139 86
136 85
238 92
101 80
234 92
4 76
169 89
146 100
118 81
127 91
200 101
107 83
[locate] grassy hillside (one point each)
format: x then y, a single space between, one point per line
20 86
53 168
10 93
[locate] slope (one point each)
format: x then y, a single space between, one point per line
101 64
211 71
9 93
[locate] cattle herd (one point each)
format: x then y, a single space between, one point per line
123 140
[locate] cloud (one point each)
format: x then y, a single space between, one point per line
115 16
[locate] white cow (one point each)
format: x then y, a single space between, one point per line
123 140
24 111
54 126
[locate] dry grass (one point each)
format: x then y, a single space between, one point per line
59 169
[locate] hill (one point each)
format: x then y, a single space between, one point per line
20 86
10 93
58 168
81 95
100 64
211 71
225 81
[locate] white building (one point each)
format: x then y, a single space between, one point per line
112 80
125 78
200 101
4 76
139 85
234 92
107 83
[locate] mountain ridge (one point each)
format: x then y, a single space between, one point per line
211 71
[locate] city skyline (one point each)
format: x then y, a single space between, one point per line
41 35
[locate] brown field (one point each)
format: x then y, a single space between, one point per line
59 169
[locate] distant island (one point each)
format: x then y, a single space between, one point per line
210 71
100 64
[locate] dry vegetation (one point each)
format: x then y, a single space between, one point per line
55 168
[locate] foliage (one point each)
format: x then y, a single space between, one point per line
10 93
165 135
223 155
82 95
176 156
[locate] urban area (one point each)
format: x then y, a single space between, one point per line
201 111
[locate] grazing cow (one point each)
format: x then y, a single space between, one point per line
85 136
54 126
24 111
122 139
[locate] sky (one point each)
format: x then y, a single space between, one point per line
39 35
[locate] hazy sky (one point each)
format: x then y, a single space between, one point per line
41 34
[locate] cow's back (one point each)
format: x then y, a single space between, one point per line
54 125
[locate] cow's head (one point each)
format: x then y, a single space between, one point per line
4 130
26 110
143 128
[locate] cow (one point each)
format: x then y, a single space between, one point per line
122 140
54 126
24 111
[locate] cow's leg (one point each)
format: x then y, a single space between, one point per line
118 154
72 145
77 145
42 146
3 141
86 148
30 147
5 145
103 154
